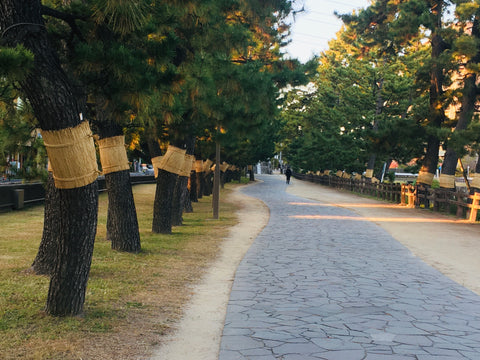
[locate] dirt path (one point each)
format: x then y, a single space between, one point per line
200 330
446 243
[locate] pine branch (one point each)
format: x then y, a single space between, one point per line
245 60
68 18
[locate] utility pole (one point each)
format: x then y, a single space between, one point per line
216 181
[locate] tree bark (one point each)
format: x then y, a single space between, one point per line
44 263
162 210
66 294
162 205
193 187
188 208
200 184
475 186
237 175
228 176
180 193
57 106
122 222
371 166
370 173
179 197
223 177
208 187
468 107
436 110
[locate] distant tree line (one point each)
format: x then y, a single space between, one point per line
398 83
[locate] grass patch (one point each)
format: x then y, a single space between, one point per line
132 300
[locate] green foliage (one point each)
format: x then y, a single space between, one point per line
15 63
388 56
231 76
210 70
467 9
466 141
467 45
124 16
19 136
358 106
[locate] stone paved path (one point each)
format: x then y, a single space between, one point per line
318 284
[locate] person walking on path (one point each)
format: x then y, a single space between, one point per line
288 174
321 282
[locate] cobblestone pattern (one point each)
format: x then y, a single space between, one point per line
341 290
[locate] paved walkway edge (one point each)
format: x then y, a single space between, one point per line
200 330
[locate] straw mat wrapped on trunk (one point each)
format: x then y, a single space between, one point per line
72 156
113 155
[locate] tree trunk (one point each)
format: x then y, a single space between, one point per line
181 187
162 210
475 185
436 110
188 208
122 223
449 167
55 104
228 176
200 184
44 263
162 206
370 173
207 190
193 187
179 197
447 178
371 167
223 177
66 293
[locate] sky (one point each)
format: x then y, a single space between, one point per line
317 25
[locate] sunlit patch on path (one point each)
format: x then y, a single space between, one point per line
377 219
354 205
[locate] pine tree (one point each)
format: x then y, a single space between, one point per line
52 96
467 56
221 48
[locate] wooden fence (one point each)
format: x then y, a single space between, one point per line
460 202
